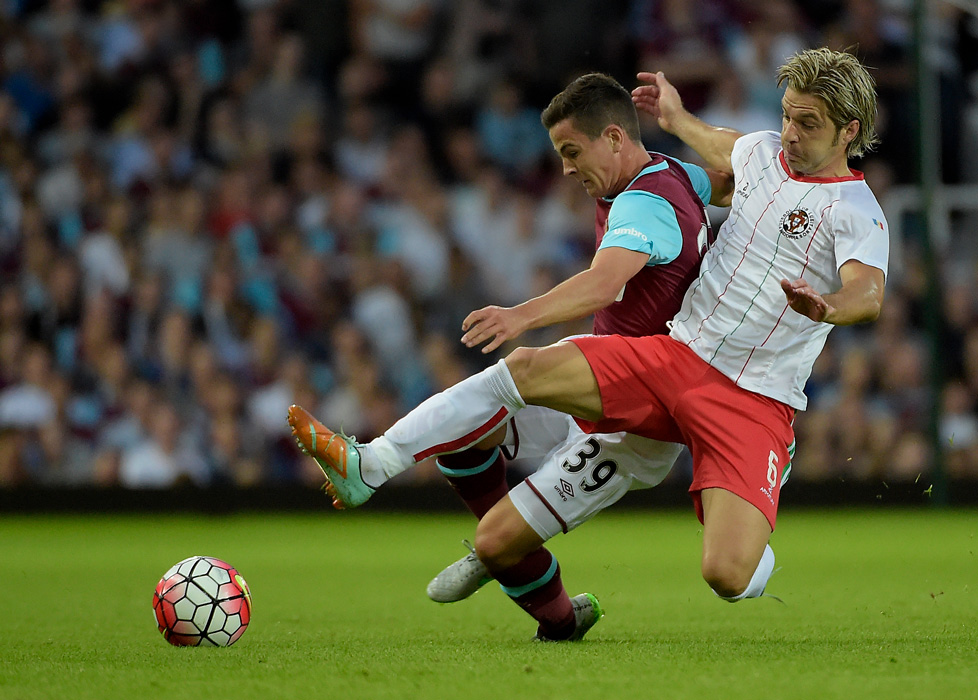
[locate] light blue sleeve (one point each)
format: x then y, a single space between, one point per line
700 180
646 223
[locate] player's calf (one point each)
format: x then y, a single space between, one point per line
503 538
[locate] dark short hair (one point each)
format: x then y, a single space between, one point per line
594 101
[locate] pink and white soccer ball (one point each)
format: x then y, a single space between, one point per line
202 601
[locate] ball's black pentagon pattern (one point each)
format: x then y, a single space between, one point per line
202 601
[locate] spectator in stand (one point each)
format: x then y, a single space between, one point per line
176 244
362 147
28 404
773 32
684 41
510 131
959 431
401 34
283 96
102 250
166 457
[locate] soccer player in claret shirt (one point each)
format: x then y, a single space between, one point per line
804 249
651 231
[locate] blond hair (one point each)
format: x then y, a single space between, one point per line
844 84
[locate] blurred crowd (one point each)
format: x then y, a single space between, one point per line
211 209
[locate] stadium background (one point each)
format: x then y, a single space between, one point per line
211 209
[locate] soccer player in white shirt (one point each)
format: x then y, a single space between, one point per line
804 248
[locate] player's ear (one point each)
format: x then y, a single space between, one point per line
850 131
615 137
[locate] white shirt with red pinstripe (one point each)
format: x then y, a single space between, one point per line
781 226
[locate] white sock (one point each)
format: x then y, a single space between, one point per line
760 578
451 421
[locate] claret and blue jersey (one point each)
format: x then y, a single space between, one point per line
661 213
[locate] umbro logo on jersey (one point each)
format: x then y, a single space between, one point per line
631 232
797 223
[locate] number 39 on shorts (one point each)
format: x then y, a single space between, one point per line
596 475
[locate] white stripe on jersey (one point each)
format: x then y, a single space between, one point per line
735 315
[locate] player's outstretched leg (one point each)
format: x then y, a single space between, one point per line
451 421
336 454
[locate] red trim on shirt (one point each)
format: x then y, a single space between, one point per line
856 174
734 274
808 259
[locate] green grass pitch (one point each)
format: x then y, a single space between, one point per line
877 604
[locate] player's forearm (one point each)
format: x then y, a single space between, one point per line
860 302
714 144
575 298
721 188
860 299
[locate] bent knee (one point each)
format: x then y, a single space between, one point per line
493 549
520 363
727 577
503 538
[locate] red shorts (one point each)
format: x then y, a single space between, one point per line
658 388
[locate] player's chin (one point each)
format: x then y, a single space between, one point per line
592 189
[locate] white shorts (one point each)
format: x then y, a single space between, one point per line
579 474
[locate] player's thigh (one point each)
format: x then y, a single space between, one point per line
649 461
535 432
583 476
558 377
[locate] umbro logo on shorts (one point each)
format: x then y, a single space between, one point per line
565 490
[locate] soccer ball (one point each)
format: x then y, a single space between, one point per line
202 601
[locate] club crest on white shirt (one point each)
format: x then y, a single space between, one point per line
797 223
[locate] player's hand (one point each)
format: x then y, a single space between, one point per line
659 98
493 323
806 301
